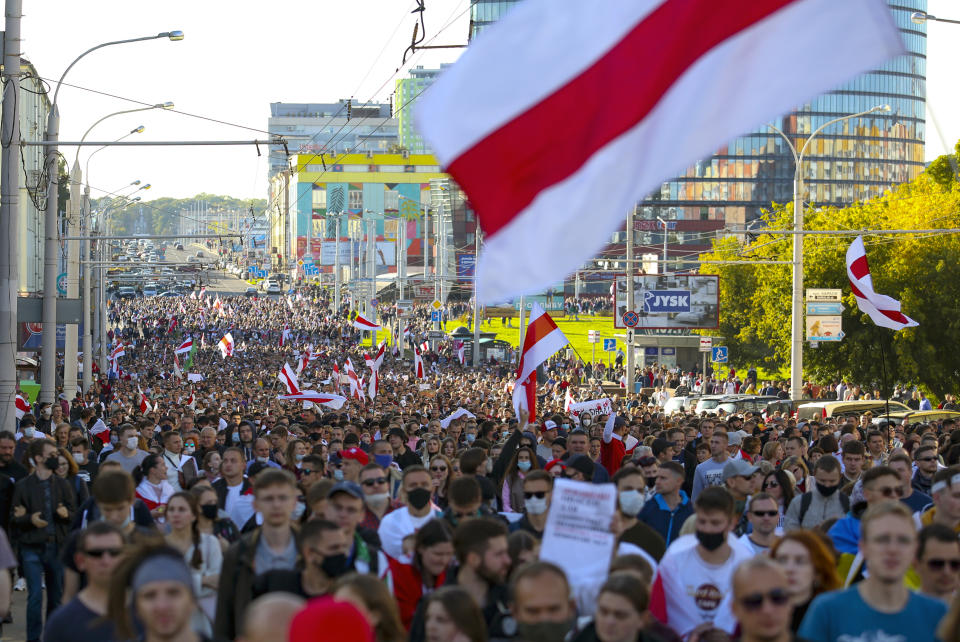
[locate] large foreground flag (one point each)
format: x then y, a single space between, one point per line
884 310
289 379
321 399
541 340
563 115
365 324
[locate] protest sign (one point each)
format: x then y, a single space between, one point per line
594 408
579 520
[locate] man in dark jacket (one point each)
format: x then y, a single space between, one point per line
666 511
43 509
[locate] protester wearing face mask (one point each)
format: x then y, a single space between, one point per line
820 503
511 490
323 548
80 450
692 590
537 492
43 509
631 496
541 605
417 487
376 496
129 455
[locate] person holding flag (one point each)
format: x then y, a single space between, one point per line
542 339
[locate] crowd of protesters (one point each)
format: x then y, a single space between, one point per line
159 506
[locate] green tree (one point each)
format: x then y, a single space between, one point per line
919 270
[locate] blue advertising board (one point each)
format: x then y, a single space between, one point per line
666 301
466 266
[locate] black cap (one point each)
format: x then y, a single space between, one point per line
583 464
348 487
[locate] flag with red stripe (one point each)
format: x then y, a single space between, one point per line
23 406
883 310
289 379
418 363
542 339
186 346
333 401
363 323
564 114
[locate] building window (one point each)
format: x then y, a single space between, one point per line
319 198
356 200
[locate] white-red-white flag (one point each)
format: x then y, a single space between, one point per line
285 335
333 401
567 400
365 324
356 389
145 406
883 310
418 363
22 406
101 431
542 339
374 386
640 89
193 295
186 346
177 372
203 292
461 350
289 379
226 345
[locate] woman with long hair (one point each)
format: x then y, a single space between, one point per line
779 485
201 551
296 451
211 466
810 567
433 552
452 615
61 435
511 491
773 452
441 475
153 489
622 611
68 469
374 600
449 448
798 468
153 586
211 520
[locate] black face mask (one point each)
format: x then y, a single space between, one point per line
334 565
209 511
52 463
418 497
651 482
711 541
826 491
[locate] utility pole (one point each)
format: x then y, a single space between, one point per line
476 302
70 340
336 264
48 344
372 271
86 229
631 357
9 216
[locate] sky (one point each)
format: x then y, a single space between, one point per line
238 57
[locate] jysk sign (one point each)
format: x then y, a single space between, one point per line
666 301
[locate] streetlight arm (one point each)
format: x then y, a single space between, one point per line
819 129
166 34
789 142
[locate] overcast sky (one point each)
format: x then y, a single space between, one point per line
240 56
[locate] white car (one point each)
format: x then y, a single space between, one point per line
273 287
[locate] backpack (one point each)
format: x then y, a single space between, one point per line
807 498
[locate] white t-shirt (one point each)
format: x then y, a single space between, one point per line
397 525
688 591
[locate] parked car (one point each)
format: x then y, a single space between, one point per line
827 409
126 292
250 292
273 287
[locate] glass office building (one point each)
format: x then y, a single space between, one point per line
850 161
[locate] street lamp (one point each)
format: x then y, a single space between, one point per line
920 17
796 322
48 350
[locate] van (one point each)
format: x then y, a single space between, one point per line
827 409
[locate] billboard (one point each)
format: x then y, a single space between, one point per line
670 301
466 263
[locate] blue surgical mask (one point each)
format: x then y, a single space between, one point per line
470 438
383 461
523 465
338 475
236 437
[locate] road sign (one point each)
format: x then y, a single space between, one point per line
374 303
404 305
719 354
825 309
436 305
609 345
435 334
631 319
435 316
706 344
825 328
593 336
630 336
824 294
62 284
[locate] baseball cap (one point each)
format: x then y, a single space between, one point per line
348 487
549 424
734 438
583 464
738 468
355 454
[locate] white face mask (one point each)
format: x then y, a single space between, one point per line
535 506
132 443
28 432
631 501
378 498
79 458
